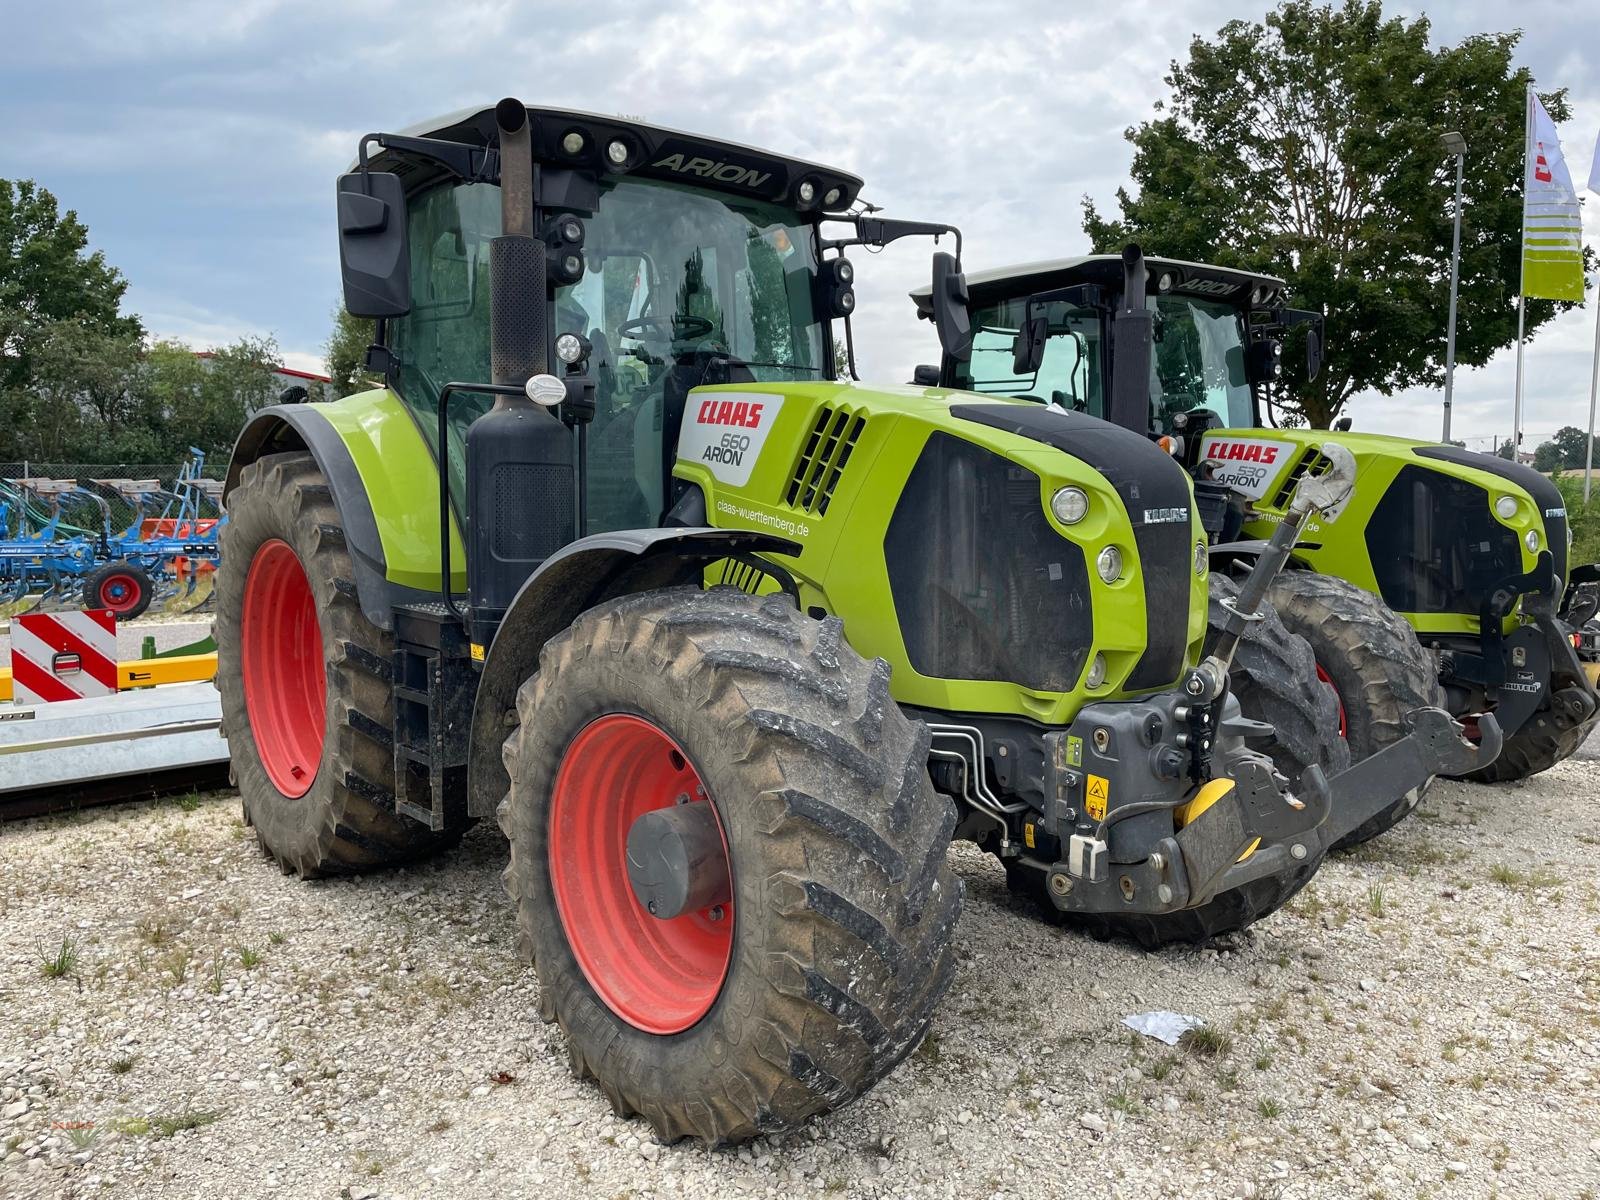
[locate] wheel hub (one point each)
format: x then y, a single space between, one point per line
625 791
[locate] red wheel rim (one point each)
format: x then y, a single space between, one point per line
285 684
658 976
1338 699
119 593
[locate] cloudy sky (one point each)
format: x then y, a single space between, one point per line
200 141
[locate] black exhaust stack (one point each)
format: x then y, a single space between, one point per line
520 485
1132 344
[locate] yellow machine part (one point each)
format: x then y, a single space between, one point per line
147 672
1208 795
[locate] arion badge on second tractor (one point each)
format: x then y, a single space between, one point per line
1443 579
731 648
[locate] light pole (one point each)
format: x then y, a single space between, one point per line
1455 145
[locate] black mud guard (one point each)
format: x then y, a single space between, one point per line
576 578
286 427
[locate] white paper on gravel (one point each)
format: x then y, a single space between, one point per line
1164 1026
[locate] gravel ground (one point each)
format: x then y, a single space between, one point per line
1422 1021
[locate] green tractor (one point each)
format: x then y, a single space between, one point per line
731 649
1443 578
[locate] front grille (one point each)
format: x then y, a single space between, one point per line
1436 547
983 586
1312 462
821 463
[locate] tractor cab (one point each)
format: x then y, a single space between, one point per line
1045 331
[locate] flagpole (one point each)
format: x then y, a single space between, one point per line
1594 379
1522 271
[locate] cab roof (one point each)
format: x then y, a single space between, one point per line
653 150
1025 279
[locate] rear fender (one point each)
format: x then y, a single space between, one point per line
288 427
588 572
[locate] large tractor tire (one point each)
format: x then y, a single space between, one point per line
817 965
1377 668
1537 746
1228 912
305 682
122 587
1274 678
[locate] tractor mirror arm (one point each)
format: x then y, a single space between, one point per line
878 232
474 164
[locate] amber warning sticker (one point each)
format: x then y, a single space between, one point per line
724 432
1095 798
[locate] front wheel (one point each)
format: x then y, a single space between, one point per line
1371 657
802 937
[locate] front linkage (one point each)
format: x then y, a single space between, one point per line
1243 824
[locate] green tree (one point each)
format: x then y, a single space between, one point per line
1563 452
1306 146
345 355
54 294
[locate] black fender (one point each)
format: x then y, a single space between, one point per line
574 579
285 427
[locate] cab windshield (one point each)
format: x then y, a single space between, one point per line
681 287
1198 359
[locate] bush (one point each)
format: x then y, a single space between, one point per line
1585 521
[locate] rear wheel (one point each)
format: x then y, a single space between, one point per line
122 587
305 681
818 939
1372 658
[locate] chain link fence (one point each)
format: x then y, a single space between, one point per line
82 509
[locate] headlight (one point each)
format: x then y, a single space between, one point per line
1109 564
1532 540
1070 505
1506 507
1201 558
1097 672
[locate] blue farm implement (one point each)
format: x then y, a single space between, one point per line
59 548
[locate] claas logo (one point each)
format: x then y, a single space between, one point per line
1256 452
740 413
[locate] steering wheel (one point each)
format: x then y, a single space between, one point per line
680 327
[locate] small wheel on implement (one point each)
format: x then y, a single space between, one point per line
122 587
728 861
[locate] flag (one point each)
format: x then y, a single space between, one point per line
1594 168
1552 248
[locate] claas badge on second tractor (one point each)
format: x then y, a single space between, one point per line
730 648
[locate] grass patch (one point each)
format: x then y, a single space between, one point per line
1269 1108
275 938
176 965
165 1127
1124 1103
1206 1041
1375 899
929 1051
53 964
249 957
1162 1067
122 1066
154 929
188 802
1263 1061
214 982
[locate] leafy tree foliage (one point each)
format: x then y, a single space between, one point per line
346 353
78 382
1307 146
1563 452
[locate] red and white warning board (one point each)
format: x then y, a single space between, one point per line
63 656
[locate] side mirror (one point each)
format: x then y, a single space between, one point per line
1027 348
1343 424
1314 350
925 375
294 394
373 257
949 299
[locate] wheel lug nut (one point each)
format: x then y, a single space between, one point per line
716 913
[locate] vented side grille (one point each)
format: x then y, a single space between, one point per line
1312 462
816 472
